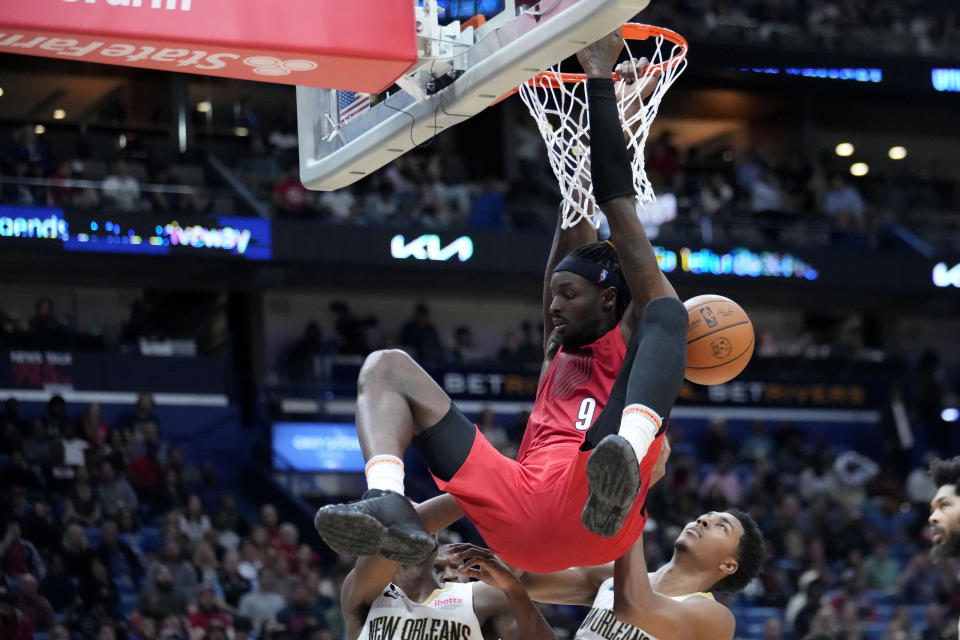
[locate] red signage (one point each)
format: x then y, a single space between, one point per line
360 45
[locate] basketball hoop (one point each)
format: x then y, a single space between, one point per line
558 102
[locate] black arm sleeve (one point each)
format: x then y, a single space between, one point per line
609 161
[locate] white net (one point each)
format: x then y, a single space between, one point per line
560 108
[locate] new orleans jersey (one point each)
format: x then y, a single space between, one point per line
600 623
446 615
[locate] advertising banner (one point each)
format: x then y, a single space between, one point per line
360 45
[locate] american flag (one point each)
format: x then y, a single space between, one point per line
352 103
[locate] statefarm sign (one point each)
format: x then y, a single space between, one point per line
357 44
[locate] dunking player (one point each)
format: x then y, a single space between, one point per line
383 600
572 487
717 552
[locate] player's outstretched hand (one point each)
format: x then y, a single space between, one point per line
597 59
482 564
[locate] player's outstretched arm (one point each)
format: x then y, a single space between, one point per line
564 241
367 580
612 177
636 603
574 586
501 600
439 512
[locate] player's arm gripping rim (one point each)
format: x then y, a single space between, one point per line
613 181
636 603
500 602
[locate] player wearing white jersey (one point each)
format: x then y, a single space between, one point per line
945 511
384 600
716 552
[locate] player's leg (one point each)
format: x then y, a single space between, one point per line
397 403
643 394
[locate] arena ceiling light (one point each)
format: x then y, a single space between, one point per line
859 169
241 132
39 129
59 114
897 153
950 414
844 149
204 106
1 92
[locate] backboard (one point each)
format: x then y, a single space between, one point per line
461 70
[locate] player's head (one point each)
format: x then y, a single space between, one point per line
729 543
409 574
945 509
445 567
589 294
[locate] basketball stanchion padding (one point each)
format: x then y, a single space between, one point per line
720 339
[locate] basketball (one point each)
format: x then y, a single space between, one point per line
719 340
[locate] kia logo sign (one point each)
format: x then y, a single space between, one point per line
944 277
428 247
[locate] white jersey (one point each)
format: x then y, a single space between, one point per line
446 615
600 623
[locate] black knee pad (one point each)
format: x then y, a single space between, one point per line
446 445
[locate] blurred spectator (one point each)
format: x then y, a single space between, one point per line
351 330
881 570
495 434
194 523
14 625
758 445
97 589
270 522
59 588
92 426
28 148
207 566
464 350
81 504
290 197
303 359
121 190
172 563
145 471
264 603
421 336
45 321
163 596
207 610
76 551
116 555
162 200
34 606
13 428
304 611
18 473
114 493
663 157
41 528
339 205
488 207
143 425
716 441
721 487
843 199
18 556
233 584
64 195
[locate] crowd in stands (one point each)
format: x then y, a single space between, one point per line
914 28
720 196
110 533
38 177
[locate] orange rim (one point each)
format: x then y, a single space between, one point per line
631 31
